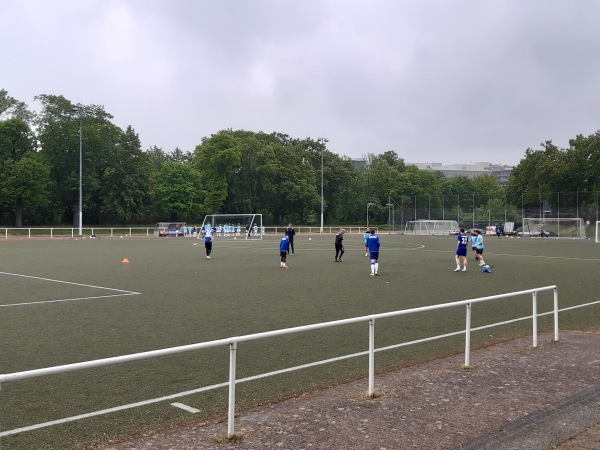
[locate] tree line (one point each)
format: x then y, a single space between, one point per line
233 171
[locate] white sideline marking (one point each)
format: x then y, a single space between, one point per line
185 407
111 410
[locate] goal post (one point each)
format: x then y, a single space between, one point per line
564 227
431 227
598 232
234 226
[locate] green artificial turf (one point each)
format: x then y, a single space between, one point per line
170 295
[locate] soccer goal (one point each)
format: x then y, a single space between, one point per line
598 232
567 227
440 227
234 226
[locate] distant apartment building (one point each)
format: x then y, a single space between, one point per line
500 171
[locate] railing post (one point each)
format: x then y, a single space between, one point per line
534 306
371 357
555 314
231 409
468 336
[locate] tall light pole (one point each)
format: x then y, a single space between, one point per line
322 141
369 205
78 111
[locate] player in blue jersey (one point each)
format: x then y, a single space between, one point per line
366 236
284 247
373 244
461 250
208 238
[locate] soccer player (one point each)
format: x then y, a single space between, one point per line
474 243
208 238
479 248
284 247
366 236
255 229
461 250
373 245
339 247
290 233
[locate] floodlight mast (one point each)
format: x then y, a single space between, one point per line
78 110
322 141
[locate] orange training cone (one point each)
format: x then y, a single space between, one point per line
125 260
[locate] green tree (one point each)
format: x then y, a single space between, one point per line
23 176
59 124
178 192
125 185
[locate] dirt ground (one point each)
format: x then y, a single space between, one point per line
513 397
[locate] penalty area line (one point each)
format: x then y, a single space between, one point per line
70 299
67 282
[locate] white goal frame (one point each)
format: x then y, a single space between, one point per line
597 232
238 224
563 227
431 227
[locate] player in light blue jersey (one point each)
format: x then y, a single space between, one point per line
479 248
373 244
366 236
461 250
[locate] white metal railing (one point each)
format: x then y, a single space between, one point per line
233 341
61 232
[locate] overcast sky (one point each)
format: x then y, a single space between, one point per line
451 81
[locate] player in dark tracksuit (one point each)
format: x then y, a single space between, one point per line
290 232
339 246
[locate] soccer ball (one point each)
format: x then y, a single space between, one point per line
310 239
234 238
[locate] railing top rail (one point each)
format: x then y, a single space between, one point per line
249 337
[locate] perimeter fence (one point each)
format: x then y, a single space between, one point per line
479 211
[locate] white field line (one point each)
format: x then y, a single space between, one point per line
512 255
67 282
255 377
185 407
122 292
70 299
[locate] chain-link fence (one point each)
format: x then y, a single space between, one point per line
477 211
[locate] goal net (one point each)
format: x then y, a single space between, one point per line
431 227
234 226
569 227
